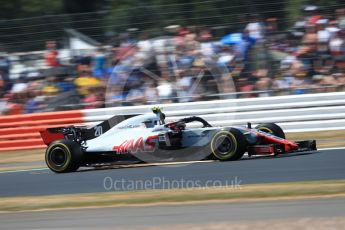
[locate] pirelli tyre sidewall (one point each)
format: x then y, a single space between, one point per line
271 128
228 145
63 156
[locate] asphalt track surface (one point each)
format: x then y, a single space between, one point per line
320 165
163 215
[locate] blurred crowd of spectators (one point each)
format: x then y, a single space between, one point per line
191 64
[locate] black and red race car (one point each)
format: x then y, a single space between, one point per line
149 138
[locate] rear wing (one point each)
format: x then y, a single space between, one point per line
80 134
104 126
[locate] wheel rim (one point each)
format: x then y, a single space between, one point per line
58 156
266 130
224 145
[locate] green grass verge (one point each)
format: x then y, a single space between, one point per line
274 191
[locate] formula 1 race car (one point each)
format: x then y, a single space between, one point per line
148 138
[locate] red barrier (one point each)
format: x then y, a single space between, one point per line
30 129
41 122
18 136
14 148
18 132
41 116
21 143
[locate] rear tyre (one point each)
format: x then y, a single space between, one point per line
271 128
63 156
228 145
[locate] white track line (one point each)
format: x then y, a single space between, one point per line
335 148
148 164
23 170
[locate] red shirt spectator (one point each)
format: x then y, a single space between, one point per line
51 56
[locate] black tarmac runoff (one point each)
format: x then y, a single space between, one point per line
318 165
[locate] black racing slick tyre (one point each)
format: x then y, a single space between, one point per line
63 156
271 128
228 145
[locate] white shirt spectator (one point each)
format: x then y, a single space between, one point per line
333 30
185 81
226 58
207 49
3 106
255 30
323 36
165 90
284 83
336 44
184 85
151 94
19 87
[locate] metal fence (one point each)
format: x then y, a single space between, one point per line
297 113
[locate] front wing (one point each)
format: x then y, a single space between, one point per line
275 149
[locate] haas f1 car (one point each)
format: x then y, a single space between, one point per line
149 138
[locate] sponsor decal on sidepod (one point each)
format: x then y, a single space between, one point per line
137 145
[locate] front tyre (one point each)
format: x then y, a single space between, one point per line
63 156
228 145
271 128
